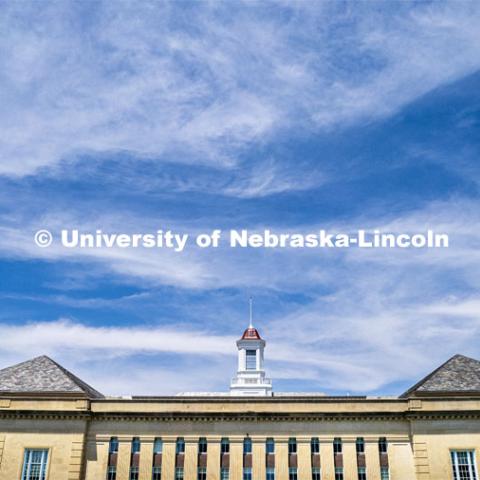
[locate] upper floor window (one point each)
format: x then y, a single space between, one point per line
360 445
316 475
35 464
135 445
247 473
157 473
315 445
292 445
251 359
382 445
113 445
179 473
202 445
225 445
224 474
270 445
270 473
157 445
180 447
337 445
247 445
133 473
111 472
384 473
464 465
292 474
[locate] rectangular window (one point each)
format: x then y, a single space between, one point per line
385 474
251 359
135 445
157 473
315 445
247 473
270 445
224 474
157 445
225 445
111 473
337 445
360 445
247 445
270 473
202 473
382 445
338 473
292 445
316 475
35 464
292 474
202 445
362 473
180 447
133 473
464 465
113 445
179 473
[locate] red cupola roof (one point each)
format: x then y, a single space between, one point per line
251 334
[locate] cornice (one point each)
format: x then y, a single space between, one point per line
46 414
250 417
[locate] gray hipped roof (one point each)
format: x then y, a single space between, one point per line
43 375
459 375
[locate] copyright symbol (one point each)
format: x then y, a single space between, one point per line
43 238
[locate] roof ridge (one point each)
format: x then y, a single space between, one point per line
427 377
25 361
42 374
78 381
476 373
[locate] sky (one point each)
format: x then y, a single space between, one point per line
193 116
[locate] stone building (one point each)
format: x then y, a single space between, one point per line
53 426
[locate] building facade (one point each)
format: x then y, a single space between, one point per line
53 426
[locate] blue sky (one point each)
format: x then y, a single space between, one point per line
284 115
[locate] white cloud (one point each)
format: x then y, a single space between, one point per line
455 307
134 78
49 337
269 178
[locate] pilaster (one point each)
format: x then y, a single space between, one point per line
168 457
236 458
146 458
281 458
304 458
372 458
213 458
258 449
124 453
326 458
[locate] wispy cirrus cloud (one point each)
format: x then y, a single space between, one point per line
207 93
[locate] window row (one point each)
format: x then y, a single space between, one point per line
247 445
35 463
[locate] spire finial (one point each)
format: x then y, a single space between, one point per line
250 301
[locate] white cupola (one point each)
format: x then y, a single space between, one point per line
250 379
